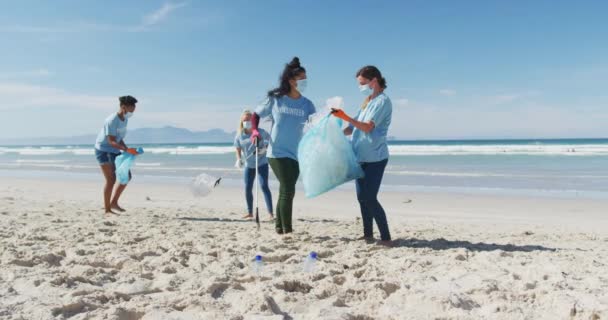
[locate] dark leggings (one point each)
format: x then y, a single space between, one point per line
287 171
250 179
367 194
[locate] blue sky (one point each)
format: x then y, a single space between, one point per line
455 69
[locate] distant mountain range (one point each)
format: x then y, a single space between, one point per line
136 136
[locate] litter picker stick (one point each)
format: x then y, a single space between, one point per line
257 185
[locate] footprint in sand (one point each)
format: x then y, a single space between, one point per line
73 309
293 286
217 289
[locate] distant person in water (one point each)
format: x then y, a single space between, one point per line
109 144
246 157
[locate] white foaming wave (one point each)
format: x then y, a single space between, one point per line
46 151
180 150
28 161
561 150
483 174
395 150
66 167
79 151
449 174
147 164
178 169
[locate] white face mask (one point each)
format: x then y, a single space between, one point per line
365 89
302 85
128 115
247 125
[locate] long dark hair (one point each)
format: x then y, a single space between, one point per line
292 70
371 72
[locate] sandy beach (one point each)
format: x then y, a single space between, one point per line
173 256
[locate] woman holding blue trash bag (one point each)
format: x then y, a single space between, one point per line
109 144
246 156
289 111
369 130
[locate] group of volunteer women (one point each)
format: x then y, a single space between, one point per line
288 110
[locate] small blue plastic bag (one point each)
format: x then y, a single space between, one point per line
123 164
326 157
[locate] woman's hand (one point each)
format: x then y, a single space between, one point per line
238 164
255 136
340 114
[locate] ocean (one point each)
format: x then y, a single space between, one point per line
560 167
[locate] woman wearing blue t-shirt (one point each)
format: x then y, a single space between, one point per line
246 155
369 131
109 144
289 111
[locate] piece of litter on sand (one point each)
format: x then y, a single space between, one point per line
148 199
408 201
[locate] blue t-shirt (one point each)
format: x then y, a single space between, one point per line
112 127
288 119
243 141
372 146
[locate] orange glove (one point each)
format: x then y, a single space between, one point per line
340 114
132 151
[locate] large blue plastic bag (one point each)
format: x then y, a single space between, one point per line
123 164
326 157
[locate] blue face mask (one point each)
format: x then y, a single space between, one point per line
128 115
301 85
247 125
366 90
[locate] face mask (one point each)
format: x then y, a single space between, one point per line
128 115
365 89
247 125
302 85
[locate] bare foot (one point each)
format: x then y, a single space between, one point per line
248 217
116 207
110 213
270 217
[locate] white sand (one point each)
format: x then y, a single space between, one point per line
177 257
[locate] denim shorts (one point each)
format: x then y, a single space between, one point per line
105 157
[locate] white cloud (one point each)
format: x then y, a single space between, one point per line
148 20
161 14
402 102
447 92
37 73
504 98
523 119
21 95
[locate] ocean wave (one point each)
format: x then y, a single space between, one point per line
545 150
486 175
147 164
28 161
395 150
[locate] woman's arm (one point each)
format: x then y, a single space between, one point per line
366 127
117 145
238 153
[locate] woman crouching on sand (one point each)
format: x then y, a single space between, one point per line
109 144
369 130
